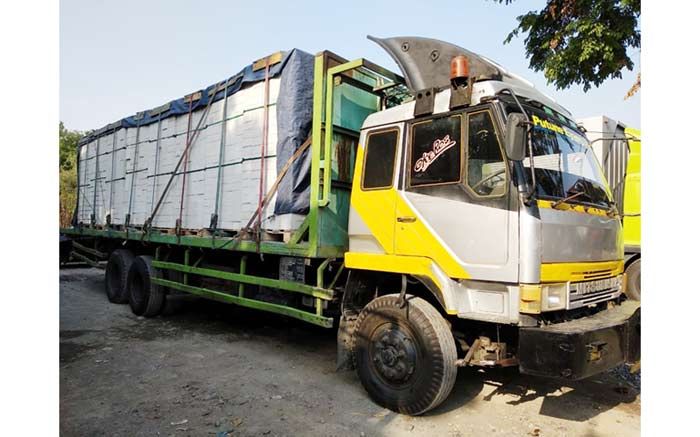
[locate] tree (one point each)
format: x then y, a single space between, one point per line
67 147
580 42
68 180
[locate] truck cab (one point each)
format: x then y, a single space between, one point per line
484 196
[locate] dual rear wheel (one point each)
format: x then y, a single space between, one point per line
145 297
128 278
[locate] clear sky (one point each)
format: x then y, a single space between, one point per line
120 57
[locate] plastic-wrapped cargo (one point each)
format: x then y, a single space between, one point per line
125 167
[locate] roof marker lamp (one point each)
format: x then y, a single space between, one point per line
459 70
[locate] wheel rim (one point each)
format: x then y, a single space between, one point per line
393 355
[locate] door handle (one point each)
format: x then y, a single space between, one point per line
406 219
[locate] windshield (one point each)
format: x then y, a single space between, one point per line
565 165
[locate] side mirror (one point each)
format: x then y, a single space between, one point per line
516 136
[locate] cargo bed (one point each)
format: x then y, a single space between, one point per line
135 184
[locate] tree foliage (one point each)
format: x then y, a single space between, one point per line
67 146
68 180
580 42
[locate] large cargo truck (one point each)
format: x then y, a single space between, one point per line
448 216
619 151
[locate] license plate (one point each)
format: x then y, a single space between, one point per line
582 288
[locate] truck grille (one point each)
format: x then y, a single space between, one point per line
590 275
591 292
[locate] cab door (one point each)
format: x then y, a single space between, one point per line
373 199
454 204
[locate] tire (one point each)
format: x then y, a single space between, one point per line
145 297
634 280
65 246
405 356
116 275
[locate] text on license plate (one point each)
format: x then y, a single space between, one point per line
594 286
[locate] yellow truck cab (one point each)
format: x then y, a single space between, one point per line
484 192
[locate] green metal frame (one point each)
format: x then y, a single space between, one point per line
318 292
322 134
326 322
242 278
300 249
88 260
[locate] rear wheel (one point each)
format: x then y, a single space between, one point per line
405 356
634 280
145 297
116 274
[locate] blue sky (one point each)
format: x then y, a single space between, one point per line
117 58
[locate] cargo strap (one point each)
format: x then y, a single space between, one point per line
178 224
263 151
188 145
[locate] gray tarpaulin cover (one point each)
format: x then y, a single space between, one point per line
294 114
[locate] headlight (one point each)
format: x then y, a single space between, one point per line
553 297
535 299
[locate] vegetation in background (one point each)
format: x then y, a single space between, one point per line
68 176
581 42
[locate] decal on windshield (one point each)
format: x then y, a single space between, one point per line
546 124
440 146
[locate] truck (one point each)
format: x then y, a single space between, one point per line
448 216
619 151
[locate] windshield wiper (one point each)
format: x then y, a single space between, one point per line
609 209
567 198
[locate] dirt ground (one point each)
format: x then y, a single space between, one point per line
215 369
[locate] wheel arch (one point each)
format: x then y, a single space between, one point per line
631 257
361 287
364 285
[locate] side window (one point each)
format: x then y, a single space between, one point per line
486 170
436 156
380 155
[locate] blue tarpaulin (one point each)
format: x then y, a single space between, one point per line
180 106
294 115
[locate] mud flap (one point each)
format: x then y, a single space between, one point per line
345 359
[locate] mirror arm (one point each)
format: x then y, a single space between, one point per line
531 190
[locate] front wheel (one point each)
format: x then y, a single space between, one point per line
405 356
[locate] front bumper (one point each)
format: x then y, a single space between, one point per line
584 347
